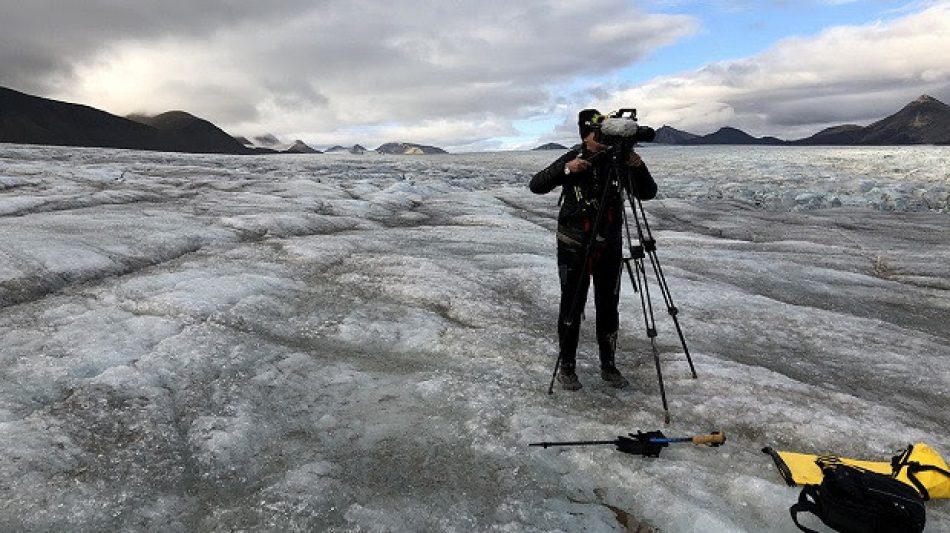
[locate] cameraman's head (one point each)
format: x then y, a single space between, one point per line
588 122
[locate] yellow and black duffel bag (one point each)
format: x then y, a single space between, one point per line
919 466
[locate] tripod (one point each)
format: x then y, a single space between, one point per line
618 182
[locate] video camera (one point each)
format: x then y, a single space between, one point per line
621 126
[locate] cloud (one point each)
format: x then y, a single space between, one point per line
845 74
440 70
42 39
452 73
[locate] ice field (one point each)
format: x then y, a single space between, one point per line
364 343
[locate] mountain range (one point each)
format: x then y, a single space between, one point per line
926 120
28 119
355 149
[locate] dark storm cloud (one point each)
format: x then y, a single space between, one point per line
439 57
305 66
433 68
41 39
309 66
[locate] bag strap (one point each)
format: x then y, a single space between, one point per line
913 467
902 460
780 464
805 505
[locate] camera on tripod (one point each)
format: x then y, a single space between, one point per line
621 127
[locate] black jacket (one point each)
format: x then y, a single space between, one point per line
582 193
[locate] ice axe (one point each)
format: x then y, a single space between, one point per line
647 444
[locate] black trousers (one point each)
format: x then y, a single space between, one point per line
604 266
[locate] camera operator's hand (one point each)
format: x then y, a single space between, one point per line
633 159
577 165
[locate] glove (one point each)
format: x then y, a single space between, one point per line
640 444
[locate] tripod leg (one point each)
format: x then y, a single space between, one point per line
557 366
673 311
648 244
646 303
659 377
689 359
646 237
650 322
626 261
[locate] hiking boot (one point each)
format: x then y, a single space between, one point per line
611 375
568 380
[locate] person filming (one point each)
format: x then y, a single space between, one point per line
582 173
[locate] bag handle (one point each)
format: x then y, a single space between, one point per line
805 505
902 460
913 467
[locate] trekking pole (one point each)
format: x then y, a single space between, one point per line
647 444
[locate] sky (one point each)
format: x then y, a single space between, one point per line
481 75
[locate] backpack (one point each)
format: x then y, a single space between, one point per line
854 500
919 466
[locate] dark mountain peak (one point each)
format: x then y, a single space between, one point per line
835 135
923 121
171 120
31 119
924 103
188 133
729 130
551 146
300 147
730 135
670 135
401 148
726 135
355 149
926 99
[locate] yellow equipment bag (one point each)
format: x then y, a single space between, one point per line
919 466
922 467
